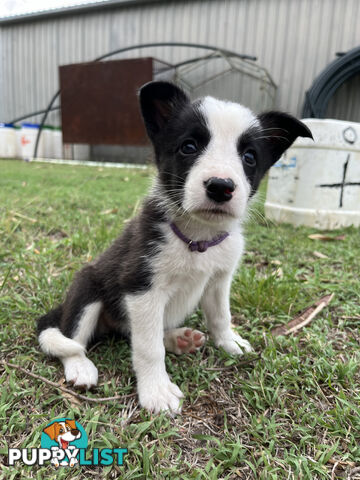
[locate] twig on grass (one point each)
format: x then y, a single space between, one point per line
93 347
237 364
307 320
24 217
300 321
67 390
333 471
350 317
342 463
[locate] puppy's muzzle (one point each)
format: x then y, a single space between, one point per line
219 189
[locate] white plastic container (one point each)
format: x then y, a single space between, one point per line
57 143
52 142
81 151
29 133
18 142
47 141
7 141
76 151
318 183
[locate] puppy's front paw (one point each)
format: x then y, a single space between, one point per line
80 371
160 395
234 344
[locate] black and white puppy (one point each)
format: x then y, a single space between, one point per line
183 247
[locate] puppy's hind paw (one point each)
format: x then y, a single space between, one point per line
183 340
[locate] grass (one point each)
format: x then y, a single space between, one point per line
293 413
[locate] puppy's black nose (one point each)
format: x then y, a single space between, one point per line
75 432
219 189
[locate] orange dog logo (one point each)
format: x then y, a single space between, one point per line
63 433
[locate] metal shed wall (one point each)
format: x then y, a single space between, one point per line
293 39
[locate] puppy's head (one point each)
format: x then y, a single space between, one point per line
212 154
63 432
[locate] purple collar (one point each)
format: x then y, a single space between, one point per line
201 245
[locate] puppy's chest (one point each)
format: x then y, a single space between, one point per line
184 274
181 273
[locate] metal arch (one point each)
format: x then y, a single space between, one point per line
136 47
328 82
177 44
33 114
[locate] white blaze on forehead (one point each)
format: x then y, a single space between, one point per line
227 120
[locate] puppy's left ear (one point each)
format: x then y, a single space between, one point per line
50 430
280 130
159 102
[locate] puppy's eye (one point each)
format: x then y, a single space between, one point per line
188 147
249 158
61 430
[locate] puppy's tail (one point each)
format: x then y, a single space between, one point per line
52 341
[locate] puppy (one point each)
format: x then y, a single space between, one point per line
183 247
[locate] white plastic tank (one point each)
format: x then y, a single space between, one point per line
18 141
76 151
81 151
29 133
52 142
318 183
7 141
47 141
57 143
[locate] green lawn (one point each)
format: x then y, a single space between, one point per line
291 413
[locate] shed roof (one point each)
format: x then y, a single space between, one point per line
70 10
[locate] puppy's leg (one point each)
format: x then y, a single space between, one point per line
79 370
66 331
215 304
183 340
156 391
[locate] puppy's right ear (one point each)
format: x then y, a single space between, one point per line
71 424
159 102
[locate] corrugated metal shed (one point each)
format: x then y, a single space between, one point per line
293 39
